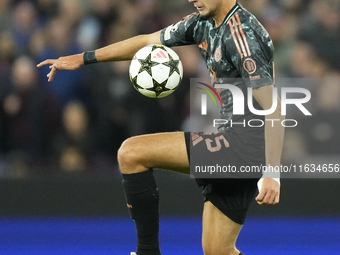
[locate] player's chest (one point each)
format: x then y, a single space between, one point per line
213 48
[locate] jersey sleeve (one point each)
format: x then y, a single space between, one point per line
251 51
180 33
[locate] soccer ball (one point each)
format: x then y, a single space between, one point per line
156 71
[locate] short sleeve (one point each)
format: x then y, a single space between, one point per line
251 51
180 33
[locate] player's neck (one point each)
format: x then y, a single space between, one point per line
223 11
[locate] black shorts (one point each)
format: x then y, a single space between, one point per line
232 196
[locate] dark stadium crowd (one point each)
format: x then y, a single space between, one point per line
76 123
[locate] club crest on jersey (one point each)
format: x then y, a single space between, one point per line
218 54
249 65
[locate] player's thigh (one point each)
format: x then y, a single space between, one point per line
161 150
219 232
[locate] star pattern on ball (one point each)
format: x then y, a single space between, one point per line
158 88
146 64
157 46
173 64
134 83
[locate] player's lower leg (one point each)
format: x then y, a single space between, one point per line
136 156
142 199
219 232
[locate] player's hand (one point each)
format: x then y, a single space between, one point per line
269 193
69 63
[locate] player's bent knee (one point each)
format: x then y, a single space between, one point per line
128 157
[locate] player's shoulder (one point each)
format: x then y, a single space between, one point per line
186 23
190 19
250 24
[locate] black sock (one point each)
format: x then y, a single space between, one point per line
241 253
141 194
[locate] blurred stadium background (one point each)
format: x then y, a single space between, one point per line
59 181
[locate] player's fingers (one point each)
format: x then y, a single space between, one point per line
52 73
46 62
49 76
42 64
277 199
54 65
266 200
271 198
260 197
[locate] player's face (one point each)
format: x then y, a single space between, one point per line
207 8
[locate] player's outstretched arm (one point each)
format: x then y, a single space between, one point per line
274 133
123 50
